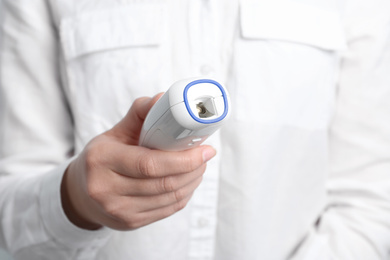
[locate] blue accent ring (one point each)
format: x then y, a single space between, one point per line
205 121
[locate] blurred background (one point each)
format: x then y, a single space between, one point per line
3 255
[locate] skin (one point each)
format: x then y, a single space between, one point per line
120 185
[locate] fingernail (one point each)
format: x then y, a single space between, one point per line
146 100
158 94
208 153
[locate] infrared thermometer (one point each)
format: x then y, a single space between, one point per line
186 115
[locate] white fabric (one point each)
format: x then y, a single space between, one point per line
303 166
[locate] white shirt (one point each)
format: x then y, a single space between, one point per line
303 165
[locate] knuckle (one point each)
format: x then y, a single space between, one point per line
167 184
131 226
133 223
94 154
180 194
147 165
91 158
113 209
189 163
94 191
180 205
125 219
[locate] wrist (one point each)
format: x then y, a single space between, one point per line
71 200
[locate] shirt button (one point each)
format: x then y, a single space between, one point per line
206 70
203 222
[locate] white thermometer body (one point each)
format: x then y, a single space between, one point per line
189 112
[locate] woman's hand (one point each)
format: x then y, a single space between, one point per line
118 184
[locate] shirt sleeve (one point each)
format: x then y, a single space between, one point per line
36 140
356 222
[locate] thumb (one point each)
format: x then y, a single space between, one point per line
129 128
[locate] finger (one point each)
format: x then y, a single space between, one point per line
152 216
140 162
150 203
154 186
129 128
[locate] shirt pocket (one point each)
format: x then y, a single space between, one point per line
286 60
112 57
137 25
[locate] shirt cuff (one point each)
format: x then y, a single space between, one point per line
57 223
